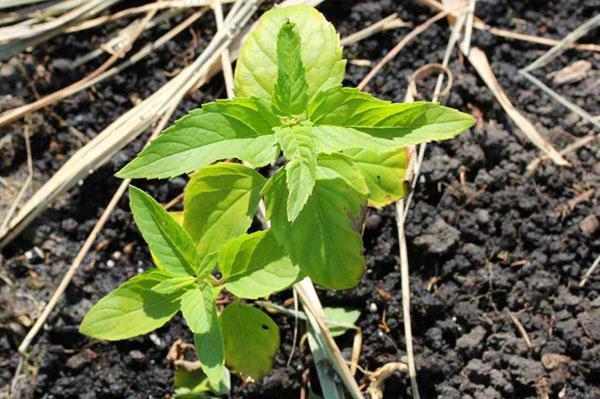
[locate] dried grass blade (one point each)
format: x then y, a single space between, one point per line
479 60
126 128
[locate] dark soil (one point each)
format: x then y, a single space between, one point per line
485 241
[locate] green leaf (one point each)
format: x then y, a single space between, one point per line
200 313
239 128
337 138
208 264
193 384
290 97
219 204
300 149
168 241
340 319
334 166
321 53
251 339
405 124
255 265
130 310
383 172
174 285
197 306
325 240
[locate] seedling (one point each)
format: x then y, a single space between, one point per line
343 150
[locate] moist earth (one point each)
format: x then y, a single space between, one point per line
493 251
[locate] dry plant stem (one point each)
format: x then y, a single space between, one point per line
356 348
19 112
138 10
577 144
479 60
23 31
174 201
85 248
225 58
568 104
405 281
18 3
26 183
379 376
390 22
465 45
128 126
114 43
310 301
415 170
454 36
405 40
295 334
331 388
479 24
589 272
15 381
521 329
30 14
401 208
14 47
561 46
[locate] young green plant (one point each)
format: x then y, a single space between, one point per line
343 149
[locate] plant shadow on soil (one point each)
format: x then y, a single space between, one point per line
492 243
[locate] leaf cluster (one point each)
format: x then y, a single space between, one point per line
342 149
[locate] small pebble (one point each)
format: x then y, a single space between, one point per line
373 307
137 356
373 221
110 263
589 225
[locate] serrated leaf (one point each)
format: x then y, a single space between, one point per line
337 138
199 310
321 53
255 265
130 310
340 320
174 285
178 217
300 149
238 128
219 203
291 92
324 240
404 124
340 166
383 172
168 241
251 339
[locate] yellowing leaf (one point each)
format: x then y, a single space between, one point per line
251 339
256 69
383 172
